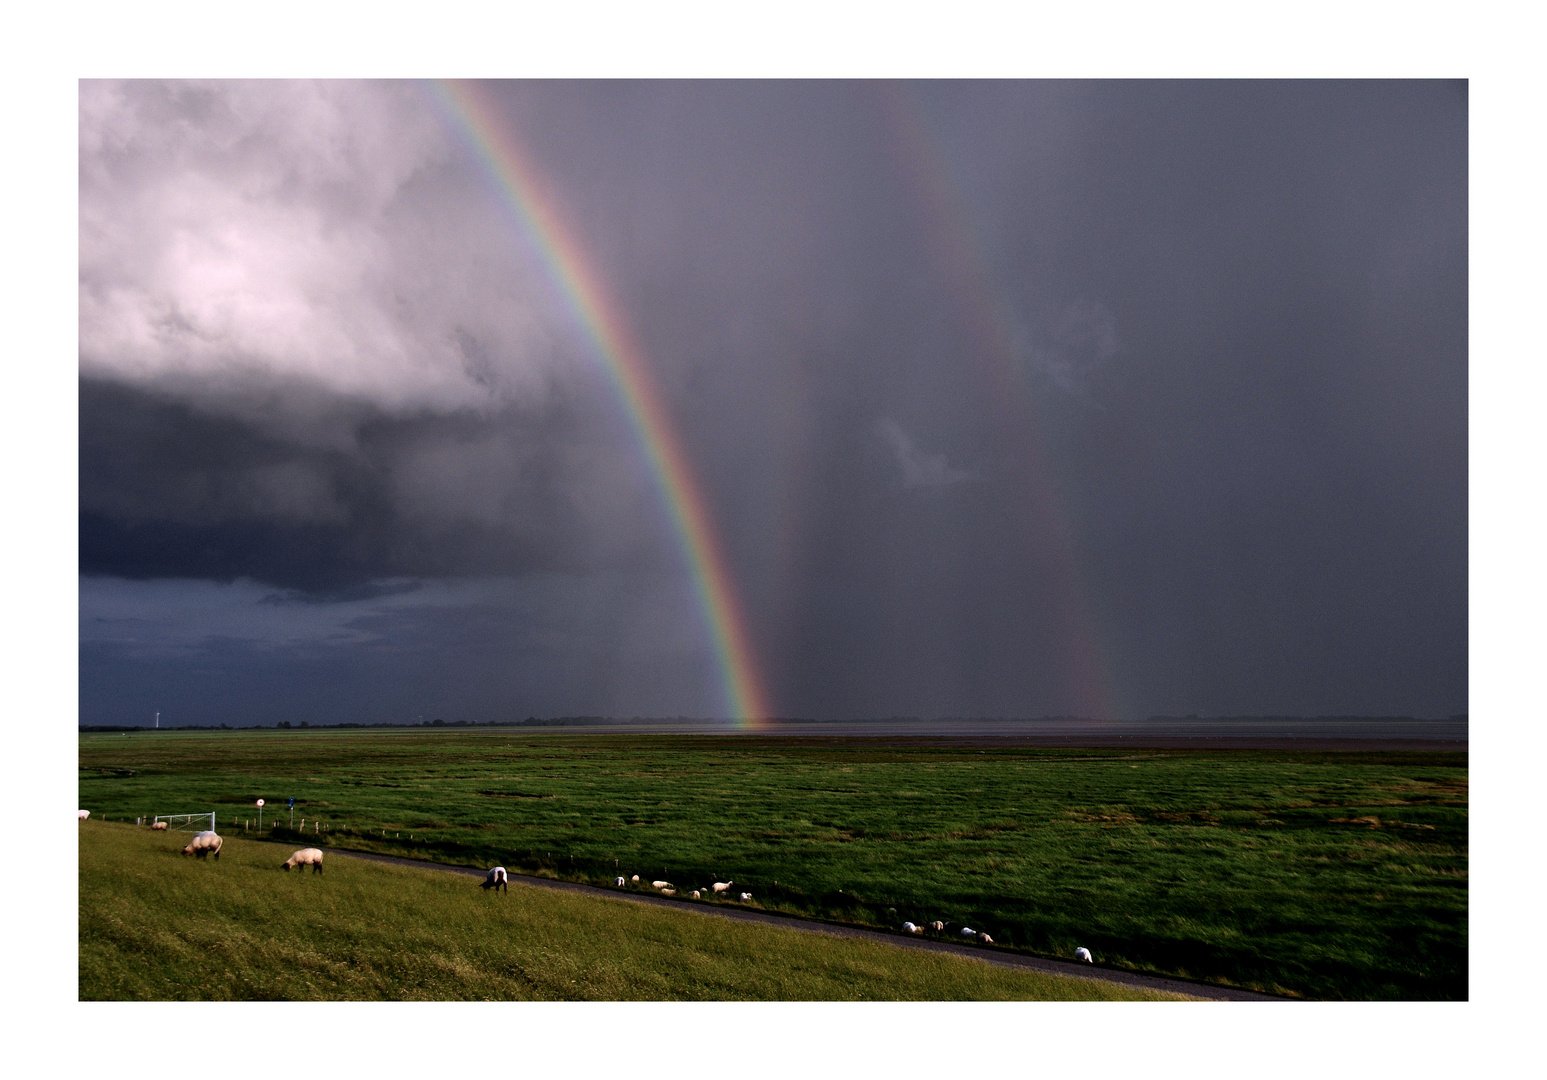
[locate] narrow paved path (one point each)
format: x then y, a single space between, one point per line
971 952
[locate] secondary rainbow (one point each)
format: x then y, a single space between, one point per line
951 234
537 218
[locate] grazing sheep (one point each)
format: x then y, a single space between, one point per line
496 879
660 884
1083 954
159 826
909 928
985 939
305 857
968 931
721 886
621 883
745 897
695 894
668 892
204 843
635 879
937 926
83 814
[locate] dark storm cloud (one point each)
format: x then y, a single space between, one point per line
470 648
1229 476
170 491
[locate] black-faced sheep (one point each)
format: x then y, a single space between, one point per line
305 857
496 879
204 843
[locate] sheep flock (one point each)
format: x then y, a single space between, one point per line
497 878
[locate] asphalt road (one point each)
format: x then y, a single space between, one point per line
1001 957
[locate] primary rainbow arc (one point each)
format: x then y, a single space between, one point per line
608 333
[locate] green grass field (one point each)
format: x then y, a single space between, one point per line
1316 874
157 926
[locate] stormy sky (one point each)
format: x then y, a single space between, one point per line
1004 399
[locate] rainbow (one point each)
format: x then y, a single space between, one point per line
961 260
537 217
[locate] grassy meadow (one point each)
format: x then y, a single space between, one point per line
1314 874
157 926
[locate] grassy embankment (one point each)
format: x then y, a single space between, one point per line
157 926
1330 875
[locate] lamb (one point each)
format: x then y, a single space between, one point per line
620 883
83 814
204 843
745 897
721 886
1083 953
496 879
158 826
305 857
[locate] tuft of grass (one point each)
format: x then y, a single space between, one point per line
157 926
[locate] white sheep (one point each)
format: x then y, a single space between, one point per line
909 928
721 886
82 814
745 897
620 883
985 939
937 926
305 857
668 892
968 931
204 843
635 879
158 826
1083 953
495 879
695 894
660 884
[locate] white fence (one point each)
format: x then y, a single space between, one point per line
189 822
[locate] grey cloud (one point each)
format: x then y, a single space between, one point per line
918 469
1075 344
238 238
